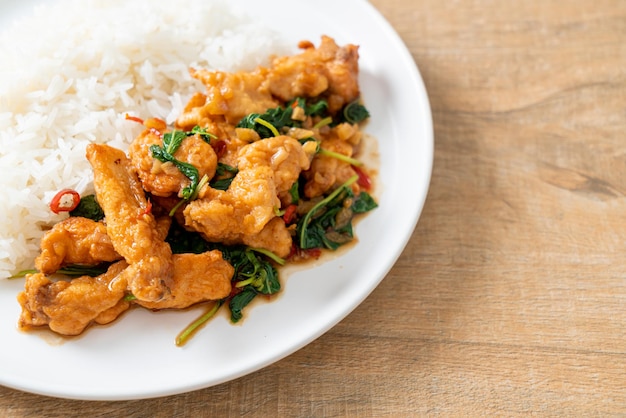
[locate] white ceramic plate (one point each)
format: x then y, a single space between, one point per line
136 357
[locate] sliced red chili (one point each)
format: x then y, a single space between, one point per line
313 253
220 148
65 201
364 179
134 118
293 251
148 209
290 214
298 254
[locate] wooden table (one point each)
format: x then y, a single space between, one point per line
511 295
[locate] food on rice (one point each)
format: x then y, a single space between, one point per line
62 89
256 171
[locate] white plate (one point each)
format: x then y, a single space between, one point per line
135 357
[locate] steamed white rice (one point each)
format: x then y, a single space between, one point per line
72 71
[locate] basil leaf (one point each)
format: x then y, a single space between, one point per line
88 207
224 176
355 112
240 301
160 154
260 273
78 270
294 192
329 223
319 108
363 203
192 174
278 117
204 134
173 140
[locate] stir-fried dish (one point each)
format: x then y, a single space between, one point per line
258 171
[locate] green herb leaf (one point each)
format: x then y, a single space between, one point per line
251 270
355 112
171 143
364 202
294 192
88 207
183 241
249 121
203 133
77 270
303 224
319 108
173 140
299 101
330 226
277 118
224 176
223 169
194 176
240 301
164 155
329 223
267 125
73 270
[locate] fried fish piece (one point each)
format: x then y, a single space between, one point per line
196 278
274 237
238 215
78 240
245 208
283 154
75 240
130 225
230 95
68 307
328 70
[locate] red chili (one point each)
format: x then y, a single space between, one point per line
298 254
313 253
148 209
65 201
290 214
220 148
134 118
293 251
364 180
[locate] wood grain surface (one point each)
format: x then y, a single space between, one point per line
510 298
